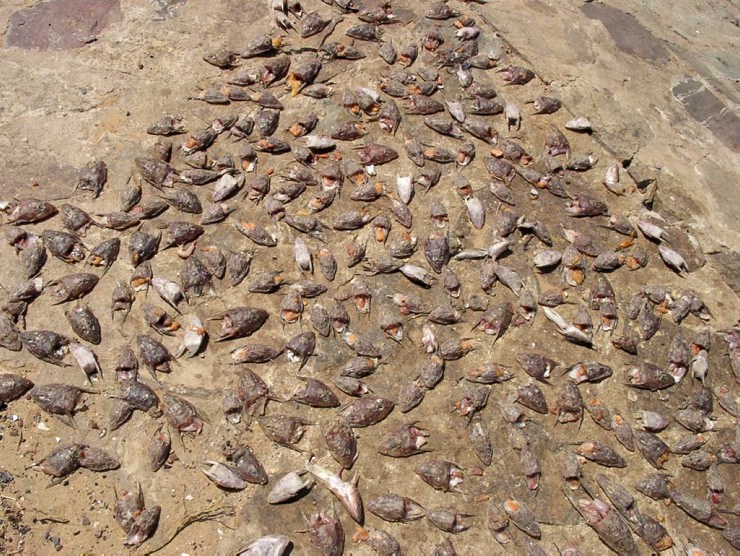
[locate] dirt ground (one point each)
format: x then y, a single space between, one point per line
658 82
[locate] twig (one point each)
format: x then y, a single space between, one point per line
209 513
20 434
48 518
330 29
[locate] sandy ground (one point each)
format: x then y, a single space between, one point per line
658 83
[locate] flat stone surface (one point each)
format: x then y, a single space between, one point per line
708 109
44 179
729 265
61 24
627 32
